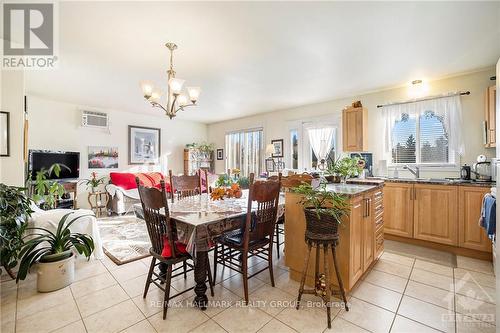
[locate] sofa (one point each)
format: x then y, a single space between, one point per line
123 192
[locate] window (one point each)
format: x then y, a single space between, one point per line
294 148
422 142
244 151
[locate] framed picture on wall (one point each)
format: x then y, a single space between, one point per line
4 134
278 147
103 157
269 165
144 145
220 154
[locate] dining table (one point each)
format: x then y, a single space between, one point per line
199 220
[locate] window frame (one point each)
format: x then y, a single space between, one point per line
452 155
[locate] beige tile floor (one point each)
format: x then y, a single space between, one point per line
400 294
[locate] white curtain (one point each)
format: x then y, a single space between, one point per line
448 108
321 140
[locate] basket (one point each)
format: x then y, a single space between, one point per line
322 228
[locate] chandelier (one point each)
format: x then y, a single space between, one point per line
175 99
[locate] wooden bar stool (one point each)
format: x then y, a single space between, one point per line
322 234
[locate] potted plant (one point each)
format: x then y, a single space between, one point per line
323 211
15 209
244 182
93 182
223 181
46 192
53 253
343 168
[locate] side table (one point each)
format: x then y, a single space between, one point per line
98 201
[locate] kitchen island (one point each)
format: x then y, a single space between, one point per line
361 235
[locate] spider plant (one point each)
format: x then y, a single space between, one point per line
48 246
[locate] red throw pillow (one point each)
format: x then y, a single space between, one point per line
124 180
167 250
145 180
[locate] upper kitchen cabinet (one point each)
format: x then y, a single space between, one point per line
354 129
490 117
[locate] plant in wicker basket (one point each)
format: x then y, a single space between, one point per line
323 210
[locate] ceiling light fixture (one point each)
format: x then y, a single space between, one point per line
418 89
176 101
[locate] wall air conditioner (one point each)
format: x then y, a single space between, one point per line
95 119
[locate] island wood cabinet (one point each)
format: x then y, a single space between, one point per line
490 117
357 248
470 235
443 214
398 199
354 129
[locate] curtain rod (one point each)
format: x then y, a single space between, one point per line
461 93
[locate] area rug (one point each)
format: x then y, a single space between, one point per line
124 238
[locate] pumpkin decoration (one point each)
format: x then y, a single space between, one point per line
217 193
234 191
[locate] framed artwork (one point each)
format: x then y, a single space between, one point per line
103 157
269 165
4 134
278 147
220 154
144 145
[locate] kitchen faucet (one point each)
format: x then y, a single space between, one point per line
415 172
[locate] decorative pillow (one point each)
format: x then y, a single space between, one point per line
124 180
167 249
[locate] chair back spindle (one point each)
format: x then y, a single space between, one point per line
156 214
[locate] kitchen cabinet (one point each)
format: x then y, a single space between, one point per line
490 117
378 222
356 221
442 214
435 213
470 234
354 129
368 231
398 215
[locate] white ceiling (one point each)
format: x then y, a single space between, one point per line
261 56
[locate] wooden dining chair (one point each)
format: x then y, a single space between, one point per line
166 251
184 186
233 249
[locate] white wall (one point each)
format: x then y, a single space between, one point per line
12 101
276 124
56 126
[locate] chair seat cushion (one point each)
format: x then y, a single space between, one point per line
167 249
236 237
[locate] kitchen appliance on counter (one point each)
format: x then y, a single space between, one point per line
465 172
481 169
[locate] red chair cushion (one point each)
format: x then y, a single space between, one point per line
167 249
124 180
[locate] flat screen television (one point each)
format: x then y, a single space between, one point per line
39 159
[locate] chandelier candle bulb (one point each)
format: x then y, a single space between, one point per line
147 89
182 100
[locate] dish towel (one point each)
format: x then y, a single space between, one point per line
489 215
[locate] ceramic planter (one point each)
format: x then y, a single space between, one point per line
55 275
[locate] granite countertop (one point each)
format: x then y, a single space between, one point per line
435 181
350 190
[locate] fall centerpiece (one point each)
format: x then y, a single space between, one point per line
233 191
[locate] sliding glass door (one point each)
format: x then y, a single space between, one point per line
245 151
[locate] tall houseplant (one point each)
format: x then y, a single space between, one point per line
14 213
53 252
47 191
323 210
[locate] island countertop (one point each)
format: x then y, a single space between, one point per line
351 190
